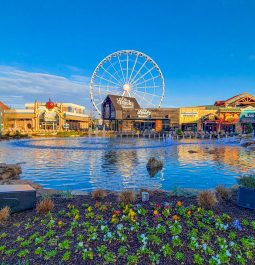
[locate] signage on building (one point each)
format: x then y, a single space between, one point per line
248 117
125 103
143 113
189 114
50 116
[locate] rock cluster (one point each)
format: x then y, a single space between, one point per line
9 172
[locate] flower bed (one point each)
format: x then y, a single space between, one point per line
166 230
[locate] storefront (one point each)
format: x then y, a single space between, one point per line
124 114
46 117
211 123
247 120
229 117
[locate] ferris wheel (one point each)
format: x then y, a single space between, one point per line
128 73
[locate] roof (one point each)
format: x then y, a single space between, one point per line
3 106
122 103
234 99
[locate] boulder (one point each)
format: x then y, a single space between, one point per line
154 163
9 171
153 166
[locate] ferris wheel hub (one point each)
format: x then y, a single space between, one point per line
127 87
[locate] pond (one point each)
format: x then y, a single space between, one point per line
118 163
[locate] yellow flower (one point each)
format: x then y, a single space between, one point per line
89 209
189 213
155 212
77 217
126 209
60 223
131 215
199 209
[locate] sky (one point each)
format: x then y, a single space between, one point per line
205 49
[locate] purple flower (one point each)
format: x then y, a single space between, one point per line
237 225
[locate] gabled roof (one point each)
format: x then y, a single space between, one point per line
3 106
123 103
243 99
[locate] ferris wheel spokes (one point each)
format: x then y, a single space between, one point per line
127 73
133 68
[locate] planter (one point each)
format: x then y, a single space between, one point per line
246 197
17 197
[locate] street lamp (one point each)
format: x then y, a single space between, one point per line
1 123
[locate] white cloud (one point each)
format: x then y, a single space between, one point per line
28 86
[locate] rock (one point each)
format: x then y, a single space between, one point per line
153 166
192 151
251 147
246 143
154 163
9 171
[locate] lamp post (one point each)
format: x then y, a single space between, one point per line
1 123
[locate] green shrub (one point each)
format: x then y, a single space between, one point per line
249 128
179 132
247 181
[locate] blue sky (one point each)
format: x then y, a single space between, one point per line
205 49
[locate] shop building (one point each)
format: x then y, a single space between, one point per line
44 117
124 114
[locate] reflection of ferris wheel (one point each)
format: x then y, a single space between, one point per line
127 73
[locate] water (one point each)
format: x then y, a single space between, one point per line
118 163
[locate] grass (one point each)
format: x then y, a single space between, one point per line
207 199
45 206
98 194
4 214
127 196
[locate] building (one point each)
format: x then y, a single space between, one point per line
3 107
46 117
124 114
232 115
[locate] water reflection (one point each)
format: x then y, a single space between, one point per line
110 163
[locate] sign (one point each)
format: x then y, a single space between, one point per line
143 113
50 116
66 126
189 114
248 117
125 103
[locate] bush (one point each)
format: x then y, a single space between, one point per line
223 193
98 194
4 214
207 199
45 206
247 181
179 132
249 128
127 196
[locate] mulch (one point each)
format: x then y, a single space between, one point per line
27 217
